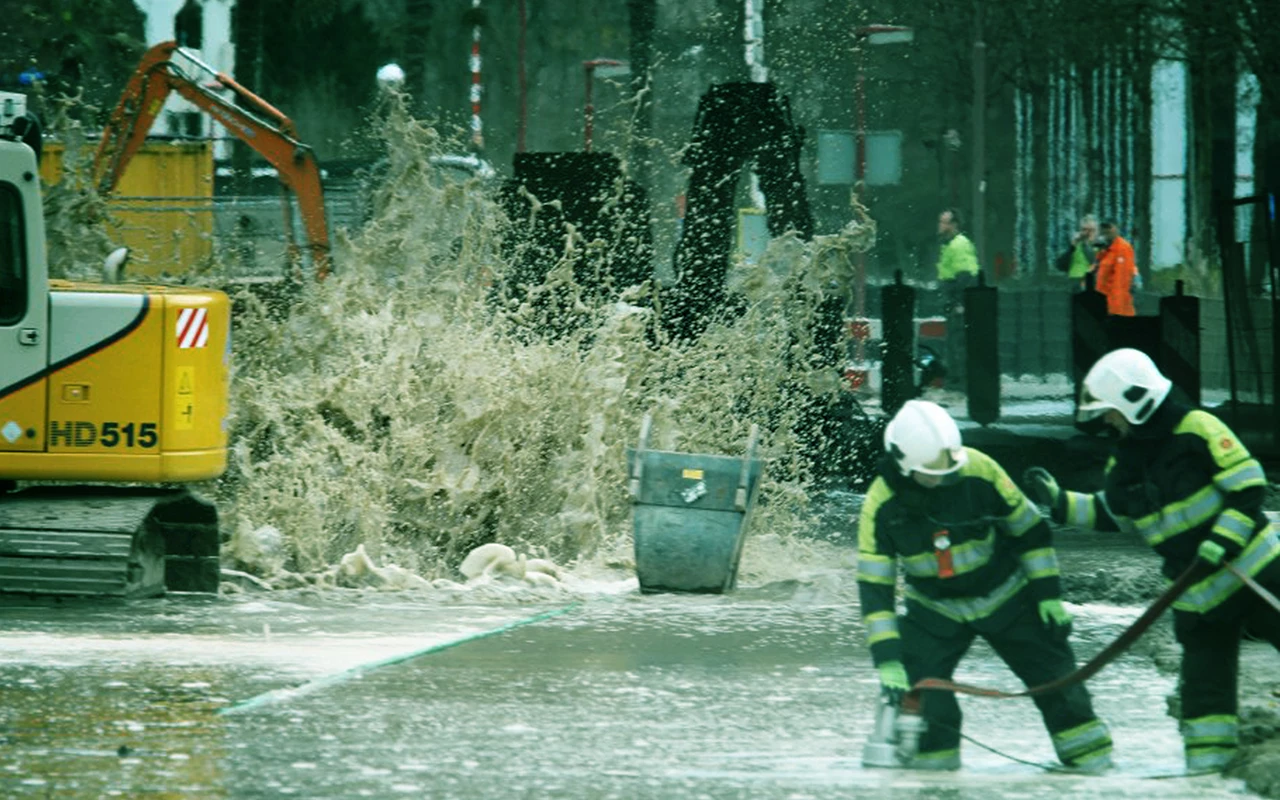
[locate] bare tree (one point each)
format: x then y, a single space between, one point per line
83 47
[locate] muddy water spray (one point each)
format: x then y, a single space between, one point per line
399 406
75 214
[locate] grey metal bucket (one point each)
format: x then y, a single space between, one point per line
690 513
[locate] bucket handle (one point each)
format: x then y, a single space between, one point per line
637 464
740 497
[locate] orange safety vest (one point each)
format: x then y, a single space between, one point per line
1116 268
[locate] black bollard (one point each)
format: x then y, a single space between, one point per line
1180 342
1139 332
982 351
897 312
1089 339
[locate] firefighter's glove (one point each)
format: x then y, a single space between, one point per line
1043 489
1054 615
1211 552
893 681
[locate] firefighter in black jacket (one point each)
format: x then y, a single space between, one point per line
979 561
1182 480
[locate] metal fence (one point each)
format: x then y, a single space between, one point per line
1035 340
250 239
1035 335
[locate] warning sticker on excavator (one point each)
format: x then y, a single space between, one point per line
184 402
193 328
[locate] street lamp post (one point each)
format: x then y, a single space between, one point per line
979 178
863 37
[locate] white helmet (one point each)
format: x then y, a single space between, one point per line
919 434
1125 380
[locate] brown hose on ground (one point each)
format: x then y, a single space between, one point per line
1122 643
1270 598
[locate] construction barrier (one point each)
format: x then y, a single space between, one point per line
982 351
861 372
897 309
866 336
1180 342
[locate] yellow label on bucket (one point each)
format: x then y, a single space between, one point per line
692 474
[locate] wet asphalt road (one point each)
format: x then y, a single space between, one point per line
767 693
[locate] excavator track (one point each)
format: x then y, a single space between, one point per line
107 541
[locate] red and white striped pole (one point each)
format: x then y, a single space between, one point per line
477 125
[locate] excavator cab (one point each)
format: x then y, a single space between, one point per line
24 307
104 384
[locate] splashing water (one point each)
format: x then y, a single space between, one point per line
75 214
405 405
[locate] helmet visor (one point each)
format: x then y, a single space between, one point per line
955 459
1091 407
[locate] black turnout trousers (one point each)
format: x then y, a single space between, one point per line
1037 655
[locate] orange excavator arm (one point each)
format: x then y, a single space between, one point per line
254 121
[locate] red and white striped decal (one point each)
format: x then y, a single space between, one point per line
193 328
477 88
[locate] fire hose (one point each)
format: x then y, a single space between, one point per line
897 735
1108 654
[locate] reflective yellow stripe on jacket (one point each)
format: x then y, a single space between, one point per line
1241 476
881 626
970 609
965 557
879 569
1040 563
1081 511
1177 517
1210 592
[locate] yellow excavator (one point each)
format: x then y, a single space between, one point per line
112 397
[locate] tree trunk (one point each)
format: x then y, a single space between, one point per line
1143 178
1043 244
1221 88
1266 170
247 24
644 19
414 48
1211 170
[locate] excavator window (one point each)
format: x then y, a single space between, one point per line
13 262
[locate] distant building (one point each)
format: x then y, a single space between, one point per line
203 27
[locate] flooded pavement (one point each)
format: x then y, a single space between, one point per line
766 693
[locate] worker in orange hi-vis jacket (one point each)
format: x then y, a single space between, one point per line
1116 270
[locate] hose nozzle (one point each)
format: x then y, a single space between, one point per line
896 738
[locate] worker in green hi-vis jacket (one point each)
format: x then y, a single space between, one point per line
957 268
1078 259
